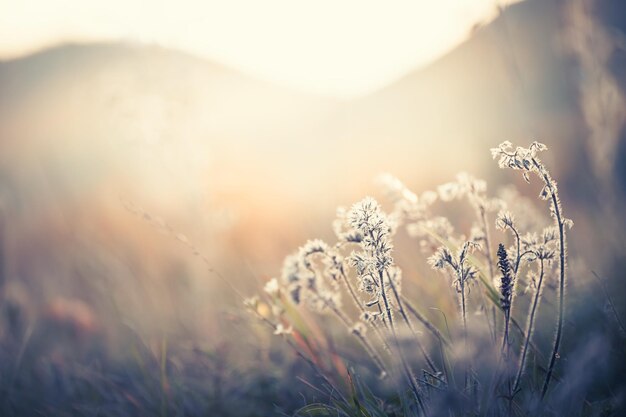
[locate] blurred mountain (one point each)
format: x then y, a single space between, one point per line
510 80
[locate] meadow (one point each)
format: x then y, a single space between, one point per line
178 238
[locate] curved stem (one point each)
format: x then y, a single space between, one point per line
364 342
505 338
420 317
562 276
559 329
464 315
407 370
483 217
427 358
518 257
360 306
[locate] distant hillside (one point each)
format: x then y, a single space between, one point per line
106 74
512 79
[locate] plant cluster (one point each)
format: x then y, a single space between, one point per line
358 282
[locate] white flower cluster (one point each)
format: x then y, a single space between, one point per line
505 219
542 247
367 218
344 232
458 264
519 158
304 282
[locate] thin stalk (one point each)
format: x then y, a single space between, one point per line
319 371
505 338
355 298
427 358
483 218
518 258
364 342
464 315
529 328
405 366
562 275
420 317
360 306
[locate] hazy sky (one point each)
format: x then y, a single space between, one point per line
337 47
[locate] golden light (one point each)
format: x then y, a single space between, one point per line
341 48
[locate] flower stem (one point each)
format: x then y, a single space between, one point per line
529 328
562 276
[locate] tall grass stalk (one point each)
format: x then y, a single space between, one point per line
375 288
485 225
525 159
358 334
359 304
556 206
420 317
529 327
407 321
407 369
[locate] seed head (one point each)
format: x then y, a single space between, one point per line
506 280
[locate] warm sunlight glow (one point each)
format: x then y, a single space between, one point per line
331 208
342 48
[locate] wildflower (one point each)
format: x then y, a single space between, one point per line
367 217
477 234
545 252
272 287
367 317
505 219
518 159
526 160
449 191
359 329
251 302
291 269
311 247
442 258
368 285
281 330
277 310
550 234
303 280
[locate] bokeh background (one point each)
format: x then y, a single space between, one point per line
152 157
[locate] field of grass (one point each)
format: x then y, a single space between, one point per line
181 239
407 313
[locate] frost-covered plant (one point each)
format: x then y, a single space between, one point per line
527 161
462 269
475 191
360 265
